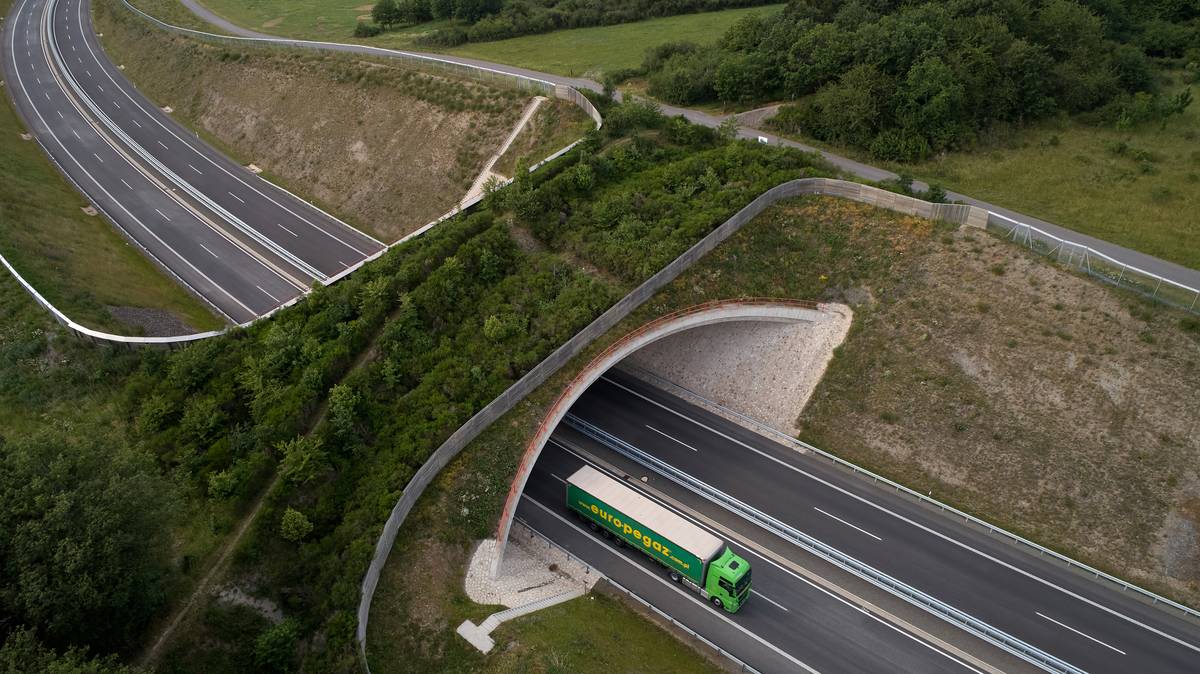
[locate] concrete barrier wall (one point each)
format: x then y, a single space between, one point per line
574 346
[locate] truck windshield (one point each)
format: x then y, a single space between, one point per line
743 582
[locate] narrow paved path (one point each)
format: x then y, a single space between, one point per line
1154 265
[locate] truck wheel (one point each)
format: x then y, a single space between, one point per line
716 601
593 526
674 576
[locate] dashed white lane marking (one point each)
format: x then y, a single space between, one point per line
859 529
671 438
60 115
214 255
116 104
237 197
126 184
97 157
46 95
164 215
195 169
76 134
162 144
267 293
136 123
767 599
285 229
1085 636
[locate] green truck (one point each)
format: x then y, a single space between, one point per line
691 555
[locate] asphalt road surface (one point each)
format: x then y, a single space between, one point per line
1091 625
789 623
241 243
1169 270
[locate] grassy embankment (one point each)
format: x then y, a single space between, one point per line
396 147
947 314
555 125
80 263
1138 188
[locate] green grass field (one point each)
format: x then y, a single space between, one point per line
585 51
565 52
1138 188
80 263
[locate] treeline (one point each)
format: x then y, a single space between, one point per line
483 20
905 79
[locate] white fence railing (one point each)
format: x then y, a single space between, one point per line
1096 264
463 70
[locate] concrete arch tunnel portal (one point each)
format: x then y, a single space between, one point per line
734 339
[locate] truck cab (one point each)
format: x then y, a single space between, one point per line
728 581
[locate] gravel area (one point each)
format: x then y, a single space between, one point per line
764 370
532 571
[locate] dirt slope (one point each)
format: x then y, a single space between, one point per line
385 147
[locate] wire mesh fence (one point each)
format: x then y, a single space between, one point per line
1096 264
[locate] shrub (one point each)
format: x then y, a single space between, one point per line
363 29
294 526
275 649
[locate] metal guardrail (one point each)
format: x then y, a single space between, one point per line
131 341
1042 550
742 666
979 628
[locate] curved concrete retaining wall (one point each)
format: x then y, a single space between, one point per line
968 215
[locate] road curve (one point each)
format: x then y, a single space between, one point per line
1154 265
240 243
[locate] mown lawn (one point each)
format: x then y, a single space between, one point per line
565 52
80 263
589 51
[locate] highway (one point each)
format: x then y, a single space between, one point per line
1164 268
239 242
789 623
1092 626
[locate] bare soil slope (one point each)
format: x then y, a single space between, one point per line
385 147
1041 399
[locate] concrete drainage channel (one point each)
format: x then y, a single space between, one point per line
971 624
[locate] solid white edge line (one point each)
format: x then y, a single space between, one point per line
673 438
859 529
238 178
1065 626
758 555
680 591
944 537
133 217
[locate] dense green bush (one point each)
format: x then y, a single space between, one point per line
905 79
482 20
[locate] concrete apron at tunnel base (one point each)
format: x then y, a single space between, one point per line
759 311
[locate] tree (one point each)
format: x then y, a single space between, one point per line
275 649
82 557
303 459
23 652
294 525
343 412
386 13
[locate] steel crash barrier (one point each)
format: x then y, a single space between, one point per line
923 600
